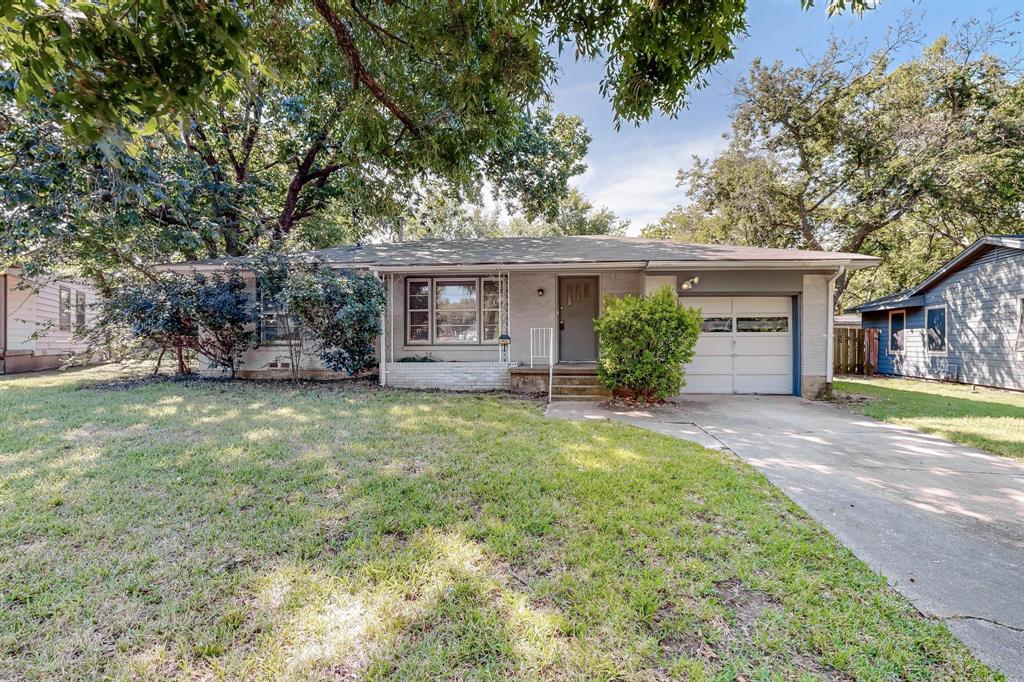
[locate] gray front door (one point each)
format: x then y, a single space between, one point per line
578 300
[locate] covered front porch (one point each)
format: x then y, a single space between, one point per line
496 330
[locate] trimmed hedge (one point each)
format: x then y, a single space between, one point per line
645 342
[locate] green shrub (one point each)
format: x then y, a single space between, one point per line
645 342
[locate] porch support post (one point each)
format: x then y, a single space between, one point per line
382 370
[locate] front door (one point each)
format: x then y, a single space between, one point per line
578 305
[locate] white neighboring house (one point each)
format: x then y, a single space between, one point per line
39 320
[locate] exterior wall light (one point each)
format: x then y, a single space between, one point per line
540 292
504 340
690 283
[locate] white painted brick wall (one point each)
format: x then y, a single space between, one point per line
453 376
814 314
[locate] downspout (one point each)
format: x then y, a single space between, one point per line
830 340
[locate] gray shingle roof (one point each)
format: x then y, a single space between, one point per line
554 250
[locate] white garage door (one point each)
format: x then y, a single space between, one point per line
745 346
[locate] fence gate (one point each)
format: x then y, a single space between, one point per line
855 351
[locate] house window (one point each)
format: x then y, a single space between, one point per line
935 323
897 330
453 310
276 325
456 311
764 323
64 310
79 311
490 308
418 310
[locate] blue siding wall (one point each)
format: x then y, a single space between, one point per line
982 313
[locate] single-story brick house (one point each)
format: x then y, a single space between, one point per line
767 312
38 320
963 323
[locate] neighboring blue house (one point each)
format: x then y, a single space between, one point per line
963 323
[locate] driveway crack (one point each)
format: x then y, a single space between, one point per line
960 616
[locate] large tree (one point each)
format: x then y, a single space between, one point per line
854 153
116 61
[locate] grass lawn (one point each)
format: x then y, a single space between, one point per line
261 531
987 418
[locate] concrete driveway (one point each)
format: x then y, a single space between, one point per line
943 522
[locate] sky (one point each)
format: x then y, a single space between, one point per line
633 171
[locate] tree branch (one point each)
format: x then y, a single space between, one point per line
343 37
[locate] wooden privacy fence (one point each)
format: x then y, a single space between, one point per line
855 351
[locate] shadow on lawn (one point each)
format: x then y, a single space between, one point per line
353 532
939 414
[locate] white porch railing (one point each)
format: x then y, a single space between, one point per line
542 347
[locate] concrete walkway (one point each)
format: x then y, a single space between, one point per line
943 522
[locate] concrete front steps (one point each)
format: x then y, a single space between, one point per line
578 386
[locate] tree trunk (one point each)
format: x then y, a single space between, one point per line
182 369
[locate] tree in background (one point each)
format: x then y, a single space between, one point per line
850 153
444 217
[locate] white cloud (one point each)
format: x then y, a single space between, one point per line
638 182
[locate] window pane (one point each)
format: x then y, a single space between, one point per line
716 324
419 295
455 333
419 318
897 323
490 332
937 329
419 333
762 324
491 297
455 296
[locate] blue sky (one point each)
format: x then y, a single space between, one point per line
632 171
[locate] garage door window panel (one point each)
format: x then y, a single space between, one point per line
716 325
762 325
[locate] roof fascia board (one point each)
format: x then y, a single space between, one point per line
796 264
519 267
953 264
909 302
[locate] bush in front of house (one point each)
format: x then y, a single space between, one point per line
340 311
644 344
210 316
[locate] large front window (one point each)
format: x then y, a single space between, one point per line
452 310
456 306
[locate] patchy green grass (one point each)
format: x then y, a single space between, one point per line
264 531
987 418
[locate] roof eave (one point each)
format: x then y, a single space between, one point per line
899 304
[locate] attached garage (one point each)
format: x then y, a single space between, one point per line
745 346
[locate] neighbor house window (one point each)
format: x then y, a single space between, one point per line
453 310
1020 326
64 311
276 325
935 323
897 330
79 311
763 323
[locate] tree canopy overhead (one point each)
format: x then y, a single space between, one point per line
114 62
852 152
